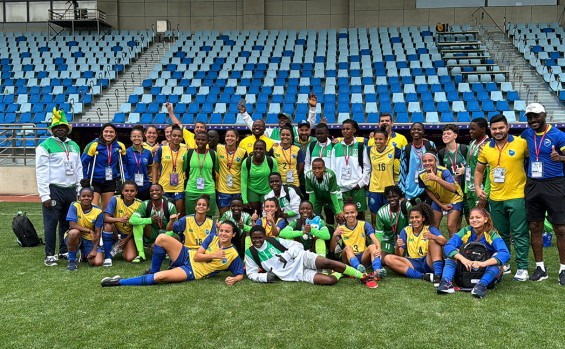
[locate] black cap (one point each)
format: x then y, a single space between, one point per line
303 123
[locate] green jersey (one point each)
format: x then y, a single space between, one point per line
201 174
325 191
390 224
256 178
474 150
140 216
245 219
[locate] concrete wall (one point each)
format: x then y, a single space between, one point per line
18 180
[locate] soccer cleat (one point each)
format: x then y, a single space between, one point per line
437 280
116 248
138 259
107 262
479 290
361 268
521 275
506 269
72 266
110 282
50 261
63 256
562 277
539 274
429 277
445 287
380 273
369 281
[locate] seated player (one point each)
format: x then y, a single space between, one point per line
288 261
392 218
289 199
151 219
193 229
309 230
323 191
423 243
272 222
216 254
240 218
480 229
351 237
116 224
444 192
86 221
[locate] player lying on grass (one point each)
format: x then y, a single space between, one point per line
217 253
309 230
423 243
271 258
116 224
86 222
351 237
240 218
481 230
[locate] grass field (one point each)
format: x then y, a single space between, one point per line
48 307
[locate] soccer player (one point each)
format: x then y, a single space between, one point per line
411 164
348 160
106 168
351 237
214 137
200 166
217 253
168 129
255 172
505 155
453 155
311 237
86 222
288 198
168 169
230 159
193 229
242 220
303 142
257 133
545 186
290 158
288 261
396 139
323 191
151 144
380 170
272 221
392 218
423 244
151 219
138 162
189 137
116 223
442 189
478 132
481 230
321 148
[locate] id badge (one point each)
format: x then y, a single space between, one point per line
200 183
290 176
174 179
467 174
69 168
537 169
417 175
346 173
499 175
229 180
139 179
108 172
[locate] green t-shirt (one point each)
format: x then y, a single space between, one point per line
245 219
142 212
473 155
451 159
201 166
325 191
386 219
290 233
256 178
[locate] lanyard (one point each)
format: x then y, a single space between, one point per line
161 212
453 163
289 160
473 148
536 143
323 152
228 158
500 151
394 227
303 146
419 154
67 151
138 163
175 160
109 154
200 166
347 156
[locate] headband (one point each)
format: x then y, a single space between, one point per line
481 211
344 206
432 154
86 188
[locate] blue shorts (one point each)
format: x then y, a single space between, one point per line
420 265
456 207
175 196
359 255
85 246
183 262
376 201
224 200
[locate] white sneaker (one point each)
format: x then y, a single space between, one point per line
50 261
107 262
521 275
506 269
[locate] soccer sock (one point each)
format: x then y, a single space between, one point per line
320 246
337 275
72 255
377 264
354 262
449 270
350 271
108 239
144 280
413 274
159 254
438 267
490 273
541 265
247 242
138 238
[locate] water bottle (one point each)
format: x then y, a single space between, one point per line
547 237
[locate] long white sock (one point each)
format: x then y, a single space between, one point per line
541 265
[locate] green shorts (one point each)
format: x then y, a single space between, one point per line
319 206
154 234
359 197
190 203
255 197
388 242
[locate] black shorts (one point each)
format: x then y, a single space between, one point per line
143 195
106 187
545 195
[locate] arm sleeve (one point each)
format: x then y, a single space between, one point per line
322 233
158 155
111 208
300 157
503 254
368 229
72 214
312 116
453 244
337 202
379 225
42 173
213 230
397 153
247 119
99 223
86 158
79 170
335 195
402 236
403 172
367 166
179 228
486 177
307 160
294 202
252 269
434 231
244 174
136 219
281 224
289 233
446 176
236 267
207 240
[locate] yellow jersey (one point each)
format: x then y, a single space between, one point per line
150 148
117 208
281 224
231 262
171 161
382 167
229 164
191 233
94 218
287 161
415 245
397 140
248 142
443 195
356 237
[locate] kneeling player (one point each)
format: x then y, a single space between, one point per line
309 230
288 261
323 191
392 218
217 253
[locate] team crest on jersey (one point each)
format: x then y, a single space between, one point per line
394 143
374 157
224 261
294 156
389 155
120 211
547 142
190 230
221 156
238 159
145 161
511 152
207 232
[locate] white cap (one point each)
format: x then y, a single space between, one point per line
535 108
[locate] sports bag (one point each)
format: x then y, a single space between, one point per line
473 251
25 232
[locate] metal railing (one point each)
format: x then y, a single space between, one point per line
72 14
18 143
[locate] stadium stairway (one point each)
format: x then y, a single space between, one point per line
530 85
112 98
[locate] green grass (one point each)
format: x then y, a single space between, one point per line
49 307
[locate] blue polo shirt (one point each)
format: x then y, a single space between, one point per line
133 166
553 137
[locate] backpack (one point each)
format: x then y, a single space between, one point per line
296 189
473 251
189 156
25 232
166 212
255 253
408 148
269 159
441 153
